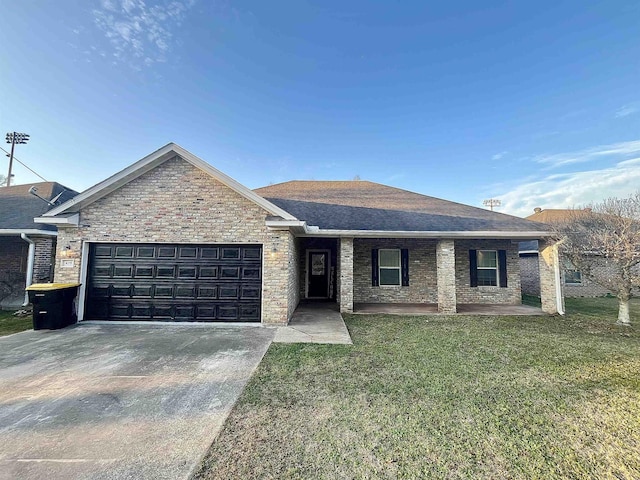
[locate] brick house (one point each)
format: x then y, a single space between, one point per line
574 283
26 248
172 238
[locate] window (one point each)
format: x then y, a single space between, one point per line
389 265
488 268
572 276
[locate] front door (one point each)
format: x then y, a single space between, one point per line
318 278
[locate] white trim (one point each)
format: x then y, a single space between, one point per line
399 268
496 268
308 269
148 163
29 231
484 234
30 263
73 219
84 275
559 296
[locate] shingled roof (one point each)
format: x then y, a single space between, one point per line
364 205
18 207
555 215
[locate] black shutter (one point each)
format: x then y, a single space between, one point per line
375 281
502 267
404 263
473 268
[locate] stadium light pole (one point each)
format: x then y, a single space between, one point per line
14 138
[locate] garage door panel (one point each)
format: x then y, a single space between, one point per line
181 282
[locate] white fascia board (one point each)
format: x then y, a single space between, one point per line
431 234
150 162
285 224
31 231
73 219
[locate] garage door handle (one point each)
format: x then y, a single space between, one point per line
42 311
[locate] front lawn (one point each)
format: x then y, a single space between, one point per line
10 324
443 397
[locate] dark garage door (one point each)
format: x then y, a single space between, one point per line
181 282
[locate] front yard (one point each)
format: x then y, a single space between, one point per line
444 397
11 324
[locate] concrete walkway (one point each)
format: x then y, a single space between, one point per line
315 323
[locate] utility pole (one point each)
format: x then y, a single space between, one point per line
14 138
492 202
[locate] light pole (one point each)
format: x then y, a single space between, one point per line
13 138
492 202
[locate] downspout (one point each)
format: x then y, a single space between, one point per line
556 271
30 261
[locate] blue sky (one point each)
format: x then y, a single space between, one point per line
534 103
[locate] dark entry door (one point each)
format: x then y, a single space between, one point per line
318 274
174 282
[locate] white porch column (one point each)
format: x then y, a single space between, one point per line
446 272
346 275
551 294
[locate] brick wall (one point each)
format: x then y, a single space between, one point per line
347 271
485 295
179 203
530 274
422 272
13 265
446 271
44 259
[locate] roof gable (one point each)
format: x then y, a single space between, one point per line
150 162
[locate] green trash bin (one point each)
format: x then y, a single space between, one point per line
53 305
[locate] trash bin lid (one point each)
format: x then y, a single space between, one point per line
42 287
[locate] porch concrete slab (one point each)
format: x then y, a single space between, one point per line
432 309
315 323
119 401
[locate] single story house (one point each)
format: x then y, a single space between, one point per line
26 248
171 238
574 283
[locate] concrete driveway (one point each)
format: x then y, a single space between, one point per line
119 401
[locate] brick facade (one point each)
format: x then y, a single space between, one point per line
13 265
179 203
511 295
346 274
446 271
529 266
422 272
44 259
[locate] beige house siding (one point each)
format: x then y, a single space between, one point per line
179 203
423 287
485 295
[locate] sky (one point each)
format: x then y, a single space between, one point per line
536 104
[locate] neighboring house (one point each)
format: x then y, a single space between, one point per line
575 284
26 249
172 238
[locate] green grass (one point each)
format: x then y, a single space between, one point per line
10 324
444 398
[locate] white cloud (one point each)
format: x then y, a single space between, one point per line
140 34
499 155
627 110
573 189
587 155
